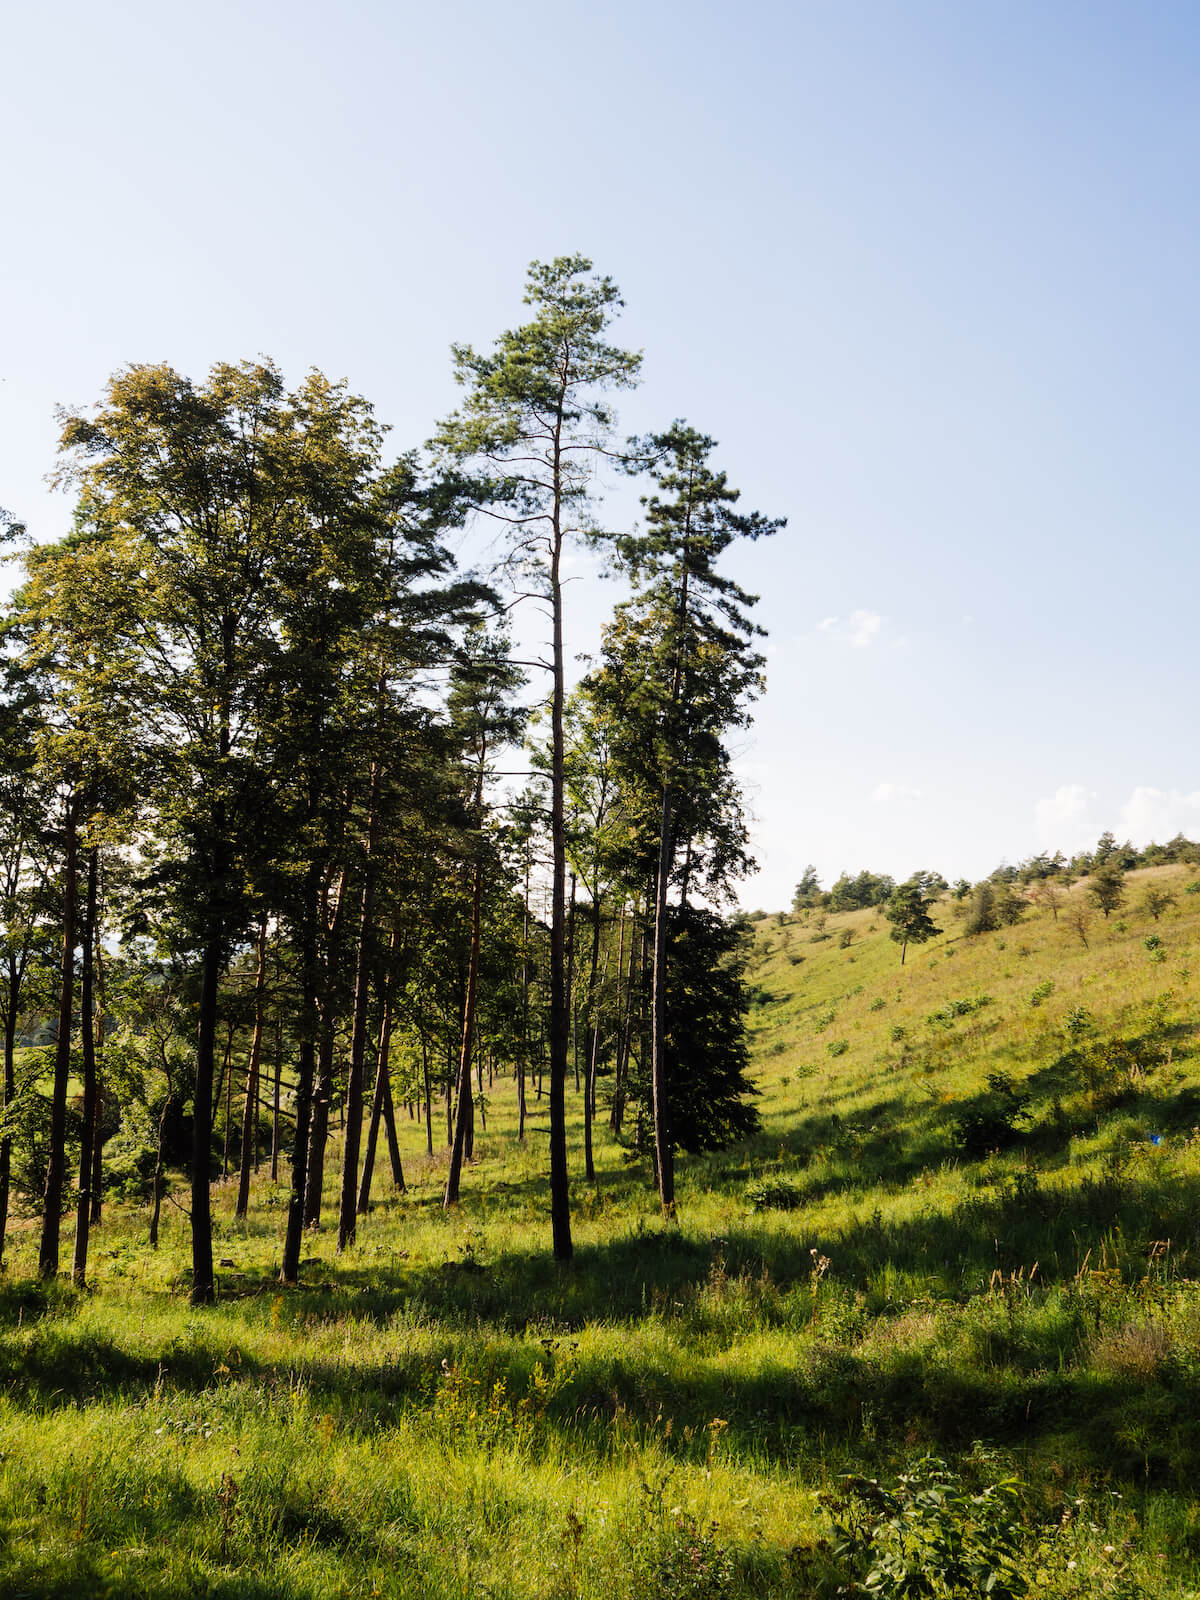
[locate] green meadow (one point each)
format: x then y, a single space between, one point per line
962 1260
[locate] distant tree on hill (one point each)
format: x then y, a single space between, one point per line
1079 919
1049 895
1107 887
993 905
1156 901
983 917
908 911
962 888
808 890
860 893
1042 866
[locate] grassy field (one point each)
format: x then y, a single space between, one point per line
968 1231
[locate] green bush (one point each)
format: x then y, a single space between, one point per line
774 1194
991 1123
930 1536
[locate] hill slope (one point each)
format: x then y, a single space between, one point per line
907 1261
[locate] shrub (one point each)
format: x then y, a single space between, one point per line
846 939
991 1123
838 1047
1043 992
957 1008
930 1536
774 1194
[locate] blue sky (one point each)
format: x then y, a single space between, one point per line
927 271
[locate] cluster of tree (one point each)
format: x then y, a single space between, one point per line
1002 898
251 833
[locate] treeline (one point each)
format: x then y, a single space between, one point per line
863 890
258 870
1002 898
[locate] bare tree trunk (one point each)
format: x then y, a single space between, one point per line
56 1162
570 957
250 1113
323 1092
664 1150
466 1108
91 1131
275 1100
381 1106
560 1193
203 1287
306 1062
98 1141
347 1209
428 1098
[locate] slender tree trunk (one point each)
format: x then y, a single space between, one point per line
306 1062
15 978
202 1253
466 1108
314 1192
228 1069
616 1111
230 1028
523 1053
159 1167
347 1210
428 1097
275 1100
593 1037
570 960
250 1113
91 1131
57 1158
381 1096
98 1141
560 1192
660 1098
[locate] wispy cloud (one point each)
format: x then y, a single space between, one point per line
1160 814
861 627
1073 819
1066 819
888 793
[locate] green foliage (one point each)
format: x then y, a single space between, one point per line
808 890
908 911
963 1006
1156 900
931 1537
838 1047
859 893
990 1122
774 1194
1107 886
1042 992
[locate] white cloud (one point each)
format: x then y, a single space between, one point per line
861 627
864 625
1160 814
884 793
1065 820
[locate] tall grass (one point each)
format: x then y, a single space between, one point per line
443 1411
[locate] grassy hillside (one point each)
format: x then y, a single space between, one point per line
911 1260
